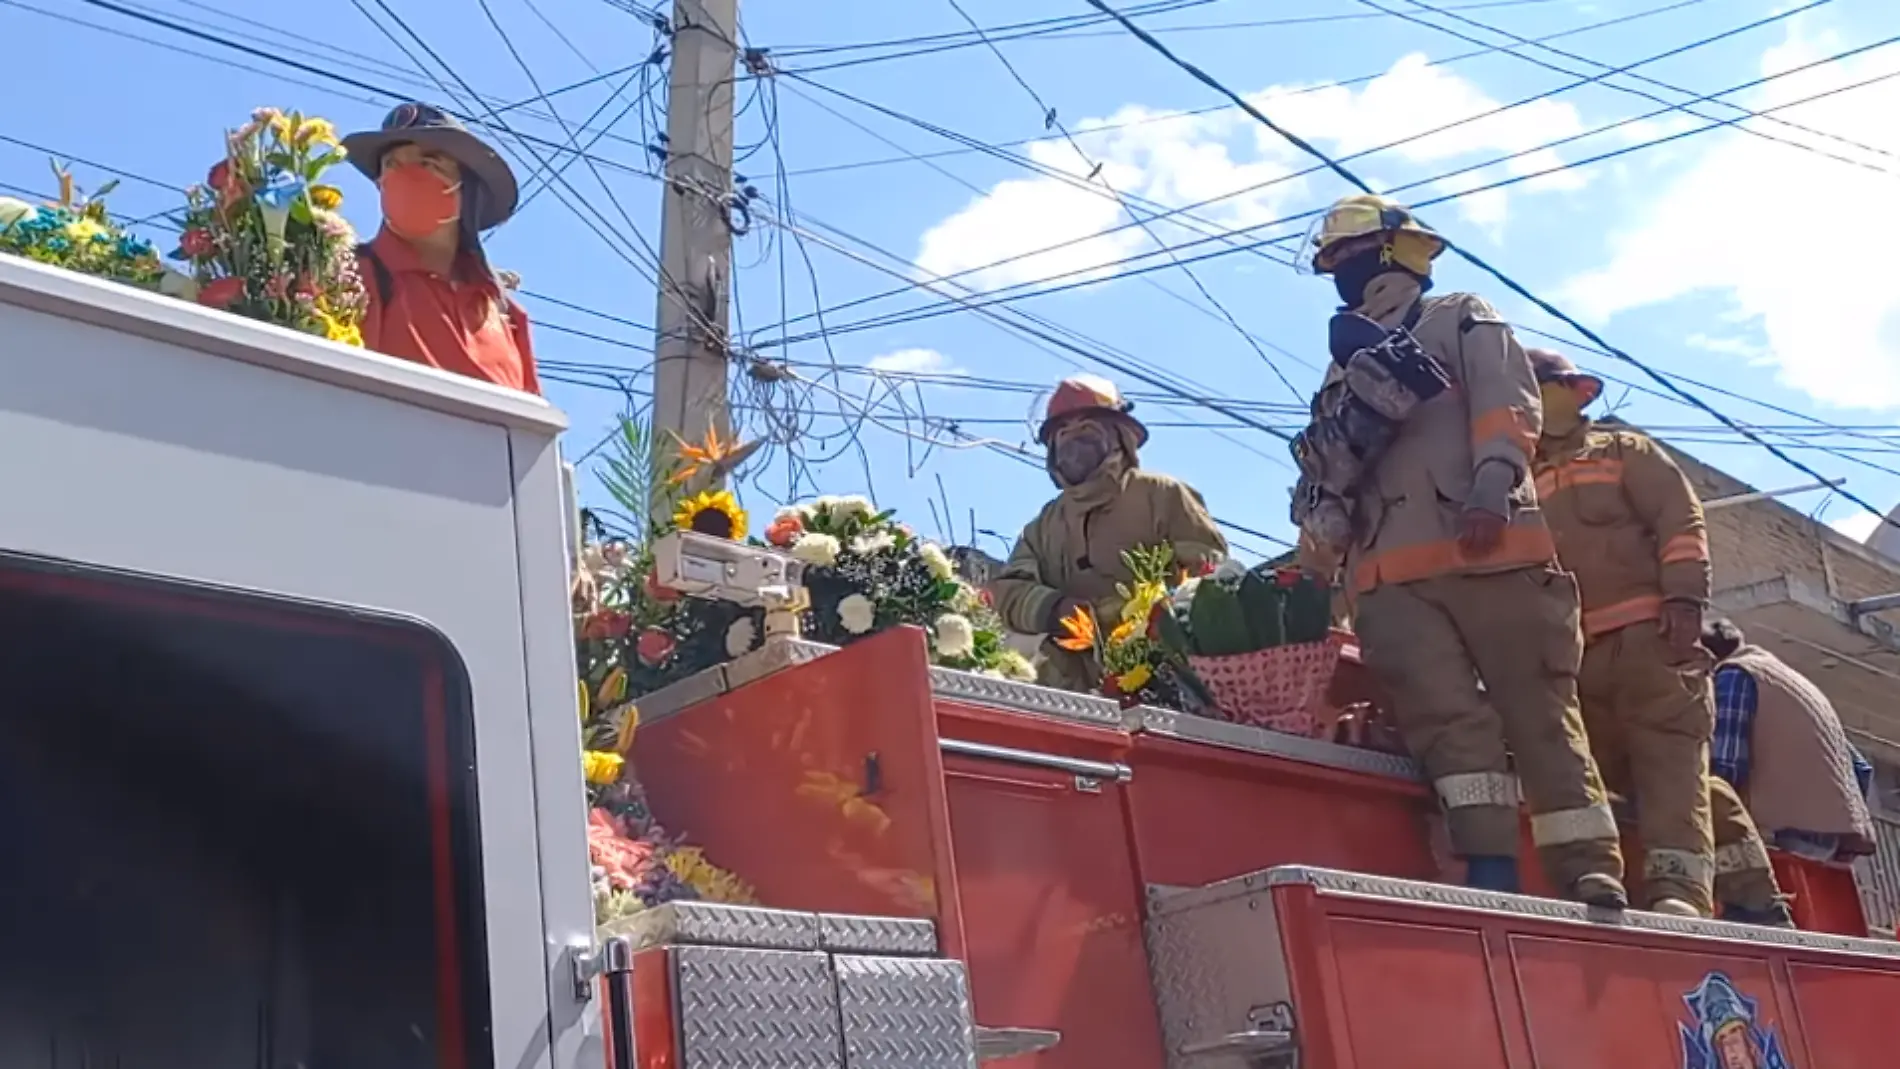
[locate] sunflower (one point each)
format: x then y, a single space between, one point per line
714 512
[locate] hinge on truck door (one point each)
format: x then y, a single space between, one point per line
586 962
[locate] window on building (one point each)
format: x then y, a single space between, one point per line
235 832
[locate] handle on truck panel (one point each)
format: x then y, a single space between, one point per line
1106 770
616 978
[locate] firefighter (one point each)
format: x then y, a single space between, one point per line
1463 614
1629 526
1070 555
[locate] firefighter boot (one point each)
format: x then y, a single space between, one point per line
1745 883
1649 722
1493 874
1775 916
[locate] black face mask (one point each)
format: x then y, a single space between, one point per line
1355 273
1080 456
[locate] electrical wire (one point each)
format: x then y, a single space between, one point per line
1294 175
1481 264
1132 266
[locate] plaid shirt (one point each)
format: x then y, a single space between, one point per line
1736 697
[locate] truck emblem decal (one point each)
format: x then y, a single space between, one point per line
1727 1033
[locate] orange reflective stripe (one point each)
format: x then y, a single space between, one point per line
1686 548
1606 472
1622 614
1510 423
1522 545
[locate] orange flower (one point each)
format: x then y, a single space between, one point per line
1078 631
1123 632
713 453
784 531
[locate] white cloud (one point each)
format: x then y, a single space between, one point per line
1794 240
1857 525
913 362
1178 160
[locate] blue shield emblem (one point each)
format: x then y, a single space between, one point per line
1727 1031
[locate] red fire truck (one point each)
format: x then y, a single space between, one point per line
289 779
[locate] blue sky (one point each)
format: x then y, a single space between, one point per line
1755 262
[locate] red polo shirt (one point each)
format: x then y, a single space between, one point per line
463 324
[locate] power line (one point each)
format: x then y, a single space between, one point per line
1096 172
1476 261
1682 107
1096 274
1293 175
1193 113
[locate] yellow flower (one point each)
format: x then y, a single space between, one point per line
337 330
715 512
585 701
1123 632
602 767
316 132
629 723
1135 678
83 229
1142 601
329 198
712 882
614 687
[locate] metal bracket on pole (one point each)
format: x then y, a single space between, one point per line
1868 606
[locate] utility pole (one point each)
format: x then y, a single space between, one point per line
690 361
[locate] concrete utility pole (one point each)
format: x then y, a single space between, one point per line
690 363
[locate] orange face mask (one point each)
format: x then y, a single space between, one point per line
417 201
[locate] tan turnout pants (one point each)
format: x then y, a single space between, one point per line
1481 666
1649 722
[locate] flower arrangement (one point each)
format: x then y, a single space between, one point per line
77 233
1138 666
865 572
262 236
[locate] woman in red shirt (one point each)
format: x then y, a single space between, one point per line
433 298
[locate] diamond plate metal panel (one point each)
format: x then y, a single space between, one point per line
1331 882
756 1009
843 933
713 924
1216 961
905 1013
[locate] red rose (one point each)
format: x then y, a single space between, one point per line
659 592
1206 569
197 243
607 623
988 599
654 647
221 293
1154 618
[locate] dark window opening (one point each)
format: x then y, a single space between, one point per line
235 833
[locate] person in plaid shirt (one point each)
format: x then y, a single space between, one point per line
1747 681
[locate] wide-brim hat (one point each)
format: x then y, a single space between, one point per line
1551 366
1088 396
431 127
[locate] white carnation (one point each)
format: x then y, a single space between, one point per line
853 506
873 543
955 636
936 560
967 600
1013 665
741 636
820 550
826 504
1230 571
857 614
1184 594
